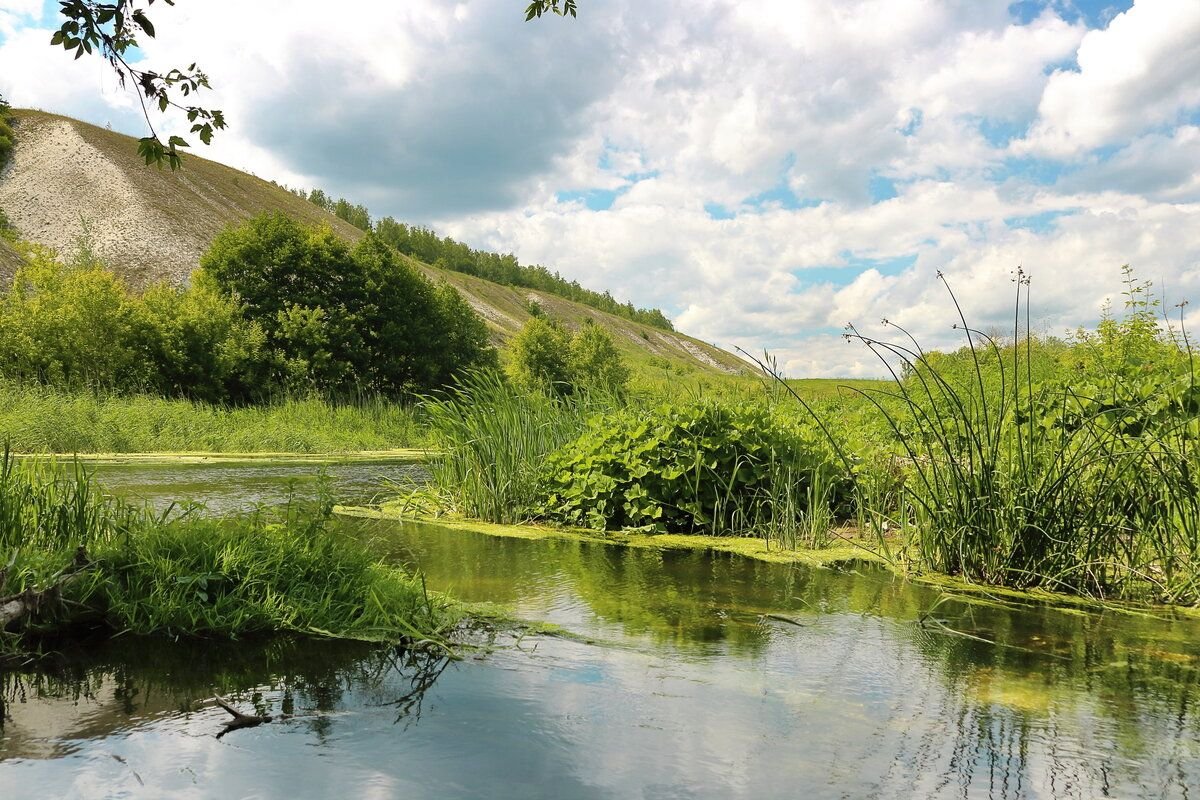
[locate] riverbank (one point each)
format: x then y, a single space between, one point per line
80 561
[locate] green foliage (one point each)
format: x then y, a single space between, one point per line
344 321
539 357
38 419
7 141
595 362
563 8
493 440
196 576
702 467
1085 481
79 326
545 357
111 29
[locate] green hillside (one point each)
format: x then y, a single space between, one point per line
68 179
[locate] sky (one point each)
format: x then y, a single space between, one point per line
764 172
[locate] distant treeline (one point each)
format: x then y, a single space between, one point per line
446 253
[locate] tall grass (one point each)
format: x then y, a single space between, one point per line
1088 488
187 575
37 419
493 439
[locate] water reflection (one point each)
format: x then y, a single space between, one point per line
712 676
232 486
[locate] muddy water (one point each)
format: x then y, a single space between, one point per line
682 674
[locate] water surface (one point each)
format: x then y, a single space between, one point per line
685 674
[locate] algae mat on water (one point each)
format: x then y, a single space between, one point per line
401 455
749 547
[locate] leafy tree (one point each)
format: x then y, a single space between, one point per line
545 356
202 345
539 357
339 320
595 361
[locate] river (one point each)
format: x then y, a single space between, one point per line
677 674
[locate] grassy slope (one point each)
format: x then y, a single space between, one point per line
192 206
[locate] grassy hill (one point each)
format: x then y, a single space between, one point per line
69 180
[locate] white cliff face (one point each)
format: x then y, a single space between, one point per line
59 189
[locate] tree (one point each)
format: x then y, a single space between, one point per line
545 356
341 321
595 361
539 357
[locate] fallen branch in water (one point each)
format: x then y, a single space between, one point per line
240 720
27 603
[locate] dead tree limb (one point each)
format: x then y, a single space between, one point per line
240 720
27 603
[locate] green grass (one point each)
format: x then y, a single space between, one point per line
188 575
37 419
1083 482
493 440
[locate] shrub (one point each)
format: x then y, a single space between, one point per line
691 468
545 357
7 137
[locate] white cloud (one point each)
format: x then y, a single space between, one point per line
1137 73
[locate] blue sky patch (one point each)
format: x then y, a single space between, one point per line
882 188
853 266
1039 223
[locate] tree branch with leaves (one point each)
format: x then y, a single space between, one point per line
563 8
112 29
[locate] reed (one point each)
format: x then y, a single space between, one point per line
183 574
1087 487
493 439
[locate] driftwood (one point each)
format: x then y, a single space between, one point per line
23 604
240 720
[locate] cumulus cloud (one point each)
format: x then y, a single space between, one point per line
1136 74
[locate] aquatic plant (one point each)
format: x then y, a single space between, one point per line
1083 482
493 439
705 466
125 568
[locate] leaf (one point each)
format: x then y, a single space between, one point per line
140 19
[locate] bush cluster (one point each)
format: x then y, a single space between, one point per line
80 326
7 137
276 308
703 466
545 356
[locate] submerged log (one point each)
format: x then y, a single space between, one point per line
24 604
240 720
